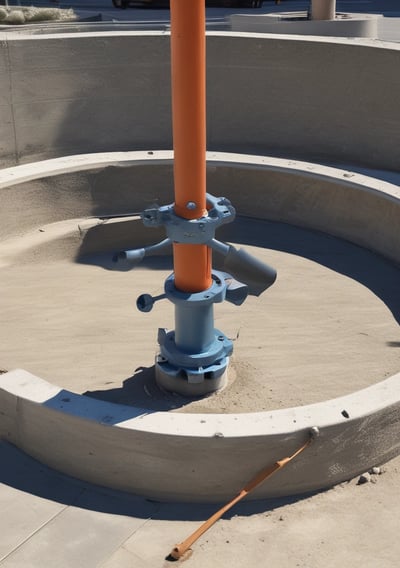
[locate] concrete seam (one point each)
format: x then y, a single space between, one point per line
122 544
33 533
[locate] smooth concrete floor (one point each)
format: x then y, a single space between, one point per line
326 328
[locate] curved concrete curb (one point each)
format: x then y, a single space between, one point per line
359 208
199 457
209 457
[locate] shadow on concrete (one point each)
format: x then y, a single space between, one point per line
25 474
78 405
372 271
142 390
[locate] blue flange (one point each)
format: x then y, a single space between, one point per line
194 351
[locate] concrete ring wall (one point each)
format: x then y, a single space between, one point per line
330 100
343 203
209 457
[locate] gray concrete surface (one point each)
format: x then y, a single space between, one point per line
56 521
303 533
357 431
135 450
344 25
340 116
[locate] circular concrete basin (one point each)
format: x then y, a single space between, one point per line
327 328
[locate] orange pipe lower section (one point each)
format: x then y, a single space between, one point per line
192 263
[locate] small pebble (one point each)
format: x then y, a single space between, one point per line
364 478
376 471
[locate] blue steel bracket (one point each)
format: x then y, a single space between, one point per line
235 292
195 352
257 275
191 231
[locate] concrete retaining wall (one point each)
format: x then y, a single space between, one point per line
359 208
319 99
199 457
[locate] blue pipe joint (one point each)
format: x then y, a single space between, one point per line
191 231
195 350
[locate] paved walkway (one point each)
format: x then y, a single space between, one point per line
51 521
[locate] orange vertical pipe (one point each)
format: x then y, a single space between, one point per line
192 263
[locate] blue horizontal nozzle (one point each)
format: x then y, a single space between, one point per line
137 255
246 268
134 255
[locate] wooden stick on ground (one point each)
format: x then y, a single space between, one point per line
180 549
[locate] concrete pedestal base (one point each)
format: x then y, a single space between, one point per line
182 386
344 25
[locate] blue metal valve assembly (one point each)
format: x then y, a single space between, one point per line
194 357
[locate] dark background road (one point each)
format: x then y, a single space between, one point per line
389 7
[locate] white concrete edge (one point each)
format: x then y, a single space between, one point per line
83 162
23 37
367 42
342 410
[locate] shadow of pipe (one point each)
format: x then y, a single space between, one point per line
372 271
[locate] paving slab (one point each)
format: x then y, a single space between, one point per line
351 525
24 507
52 520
